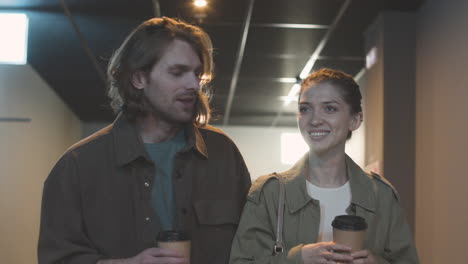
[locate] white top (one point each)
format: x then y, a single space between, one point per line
333 202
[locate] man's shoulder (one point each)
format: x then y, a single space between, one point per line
94 142
84 152
211 133
211 130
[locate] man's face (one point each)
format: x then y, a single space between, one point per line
172 85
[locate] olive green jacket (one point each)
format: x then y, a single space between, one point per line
388 236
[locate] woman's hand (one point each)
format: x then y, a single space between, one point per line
363 257
326 253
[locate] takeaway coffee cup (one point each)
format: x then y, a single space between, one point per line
177 240
349 230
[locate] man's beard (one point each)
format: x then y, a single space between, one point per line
167 115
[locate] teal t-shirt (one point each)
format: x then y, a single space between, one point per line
162 197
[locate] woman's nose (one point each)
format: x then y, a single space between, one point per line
316 119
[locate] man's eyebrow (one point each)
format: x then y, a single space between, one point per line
185 67
179 66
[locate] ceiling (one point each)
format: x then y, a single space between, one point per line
261 46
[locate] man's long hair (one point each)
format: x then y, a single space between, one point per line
141 50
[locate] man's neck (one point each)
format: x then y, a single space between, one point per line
154 130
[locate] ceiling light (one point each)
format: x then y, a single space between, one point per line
292 95
371 57
200 3
14 32
314 57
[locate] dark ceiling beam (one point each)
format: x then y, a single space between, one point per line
270 79
15 119
290 56
102 11
313 58
84 44
237 66
260 114
247 96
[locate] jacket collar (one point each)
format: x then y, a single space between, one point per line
362 193
129 146
195 141
295 186
362 188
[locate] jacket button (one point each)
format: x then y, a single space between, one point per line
147 219
178 176
146 184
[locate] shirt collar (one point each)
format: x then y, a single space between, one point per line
129 146
296 191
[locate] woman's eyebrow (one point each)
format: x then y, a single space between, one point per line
331 102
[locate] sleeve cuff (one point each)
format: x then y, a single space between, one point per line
295 255
381 260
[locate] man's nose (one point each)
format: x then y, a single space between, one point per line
193 82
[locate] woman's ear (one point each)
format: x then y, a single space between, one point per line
139 80
356 121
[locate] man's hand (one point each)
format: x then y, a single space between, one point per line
326 252
151 256
363 257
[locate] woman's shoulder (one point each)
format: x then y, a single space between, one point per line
365 181
384 185
375 183
264 184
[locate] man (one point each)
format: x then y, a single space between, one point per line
158 167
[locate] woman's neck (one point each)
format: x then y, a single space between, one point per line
327 171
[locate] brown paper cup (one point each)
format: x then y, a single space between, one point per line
350 230
177 240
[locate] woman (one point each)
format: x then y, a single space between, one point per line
323 184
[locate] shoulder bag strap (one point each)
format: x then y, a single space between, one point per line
279 245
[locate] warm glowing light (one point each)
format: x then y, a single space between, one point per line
14 33
200 3
293 147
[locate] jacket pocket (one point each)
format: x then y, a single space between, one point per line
217 221
217 212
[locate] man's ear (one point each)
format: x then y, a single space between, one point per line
139 80
355 121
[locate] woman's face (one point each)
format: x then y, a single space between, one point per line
325 119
